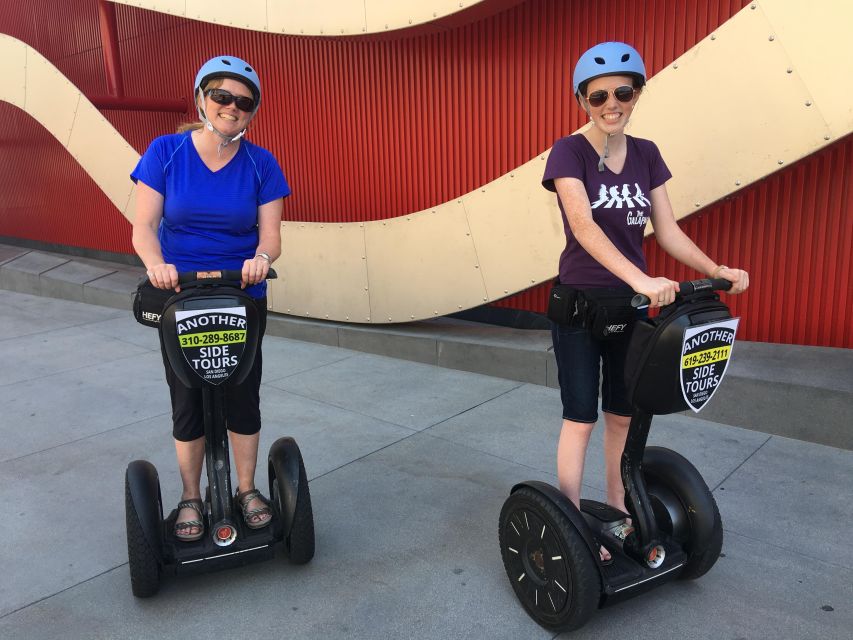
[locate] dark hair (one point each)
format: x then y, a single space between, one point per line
636 80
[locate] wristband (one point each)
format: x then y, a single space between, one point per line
265 256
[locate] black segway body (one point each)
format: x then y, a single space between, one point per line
550 548
210 334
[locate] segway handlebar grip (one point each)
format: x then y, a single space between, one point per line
687 288
218 276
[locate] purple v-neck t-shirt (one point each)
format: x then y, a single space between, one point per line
620 203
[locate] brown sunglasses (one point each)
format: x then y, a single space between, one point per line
625 93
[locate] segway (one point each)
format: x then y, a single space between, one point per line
210 332
550 549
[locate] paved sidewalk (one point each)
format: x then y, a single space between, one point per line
408 464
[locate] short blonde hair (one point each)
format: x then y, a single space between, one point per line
214 83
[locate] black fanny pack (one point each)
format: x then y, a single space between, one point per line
149 302
606 313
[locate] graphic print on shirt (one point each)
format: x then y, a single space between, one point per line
614 198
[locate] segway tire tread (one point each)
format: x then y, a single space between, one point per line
143 564
585 578
699 564
300 542
680 477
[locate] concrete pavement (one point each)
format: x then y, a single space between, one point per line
408 463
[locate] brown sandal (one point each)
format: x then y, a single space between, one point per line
243 499
180 527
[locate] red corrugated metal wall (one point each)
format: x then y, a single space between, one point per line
366 128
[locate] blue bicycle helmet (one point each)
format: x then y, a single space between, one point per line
607 59
229 67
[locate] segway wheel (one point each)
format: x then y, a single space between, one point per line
548 563
143 561
685 508
299 541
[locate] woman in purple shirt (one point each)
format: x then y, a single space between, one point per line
609 185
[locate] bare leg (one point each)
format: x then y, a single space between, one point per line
615 433
245 450
190 460
571 452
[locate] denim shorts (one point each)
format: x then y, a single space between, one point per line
579 360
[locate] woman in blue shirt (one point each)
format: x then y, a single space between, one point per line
208 199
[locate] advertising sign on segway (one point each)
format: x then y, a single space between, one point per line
212 341
705 354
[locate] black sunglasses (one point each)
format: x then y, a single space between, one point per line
624 93
223 97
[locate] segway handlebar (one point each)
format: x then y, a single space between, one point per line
217 277
687 288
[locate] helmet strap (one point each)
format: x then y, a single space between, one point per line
605 154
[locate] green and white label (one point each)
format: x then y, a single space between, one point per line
212 341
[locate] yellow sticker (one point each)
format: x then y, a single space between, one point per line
706 357
212 338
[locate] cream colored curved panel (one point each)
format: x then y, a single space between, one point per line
740 104
765 102
322 272
309 17
41 90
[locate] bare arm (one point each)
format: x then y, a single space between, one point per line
149 212
269 242
579 214
677 244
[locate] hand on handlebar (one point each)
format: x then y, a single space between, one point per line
660 291
254 271
738 277
164 276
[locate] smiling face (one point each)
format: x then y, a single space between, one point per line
612 116
228 119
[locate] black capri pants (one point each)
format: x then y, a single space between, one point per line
242 401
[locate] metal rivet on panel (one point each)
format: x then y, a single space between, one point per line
365 288
483 190
771 38
752 7
412 317
713 37
675 66
476 266
781 162
389 319
737 183
808 103
697 204
506 290
410 21
826 137
789 70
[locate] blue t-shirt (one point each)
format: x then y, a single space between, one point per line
210 218
620 203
